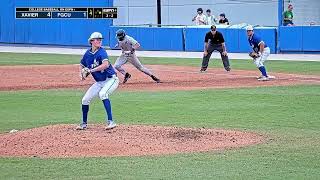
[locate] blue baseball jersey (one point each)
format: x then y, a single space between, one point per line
255 41
94 59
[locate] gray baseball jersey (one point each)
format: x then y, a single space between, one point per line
127 43
127 55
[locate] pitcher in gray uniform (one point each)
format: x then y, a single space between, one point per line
128 46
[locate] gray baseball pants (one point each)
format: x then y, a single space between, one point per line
133 59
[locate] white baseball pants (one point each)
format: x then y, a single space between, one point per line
260 60
102 89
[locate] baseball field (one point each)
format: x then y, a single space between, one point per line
214 125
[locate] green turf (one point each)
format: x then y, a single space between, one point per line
289 116
274 66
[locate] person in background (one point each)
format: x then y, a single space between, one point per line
211 19
288 16
200 18
223 19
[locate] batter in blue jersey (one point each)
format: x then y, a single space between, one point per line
96 60
263 51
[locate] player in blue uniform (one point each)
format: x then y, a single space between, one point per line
263 52
96 61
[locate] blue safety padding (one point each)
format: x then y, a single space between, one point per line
168 39
7 18
194 38
244 46
231 39
311 38
145 36
290 38
152 38
268 36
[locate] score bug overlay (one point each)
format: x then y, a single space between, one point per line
66 13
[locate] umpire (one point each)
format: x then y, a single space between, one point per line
214 41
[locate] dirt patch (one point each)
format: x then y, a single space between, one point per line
136 140
173 78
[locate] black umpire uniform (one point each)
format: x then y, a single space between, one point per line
214 41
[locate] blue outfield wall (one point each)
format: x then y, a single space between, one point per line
190 38
152 38
50 31
299 39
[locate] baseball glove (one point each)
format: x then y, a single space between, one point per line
84 73
254 55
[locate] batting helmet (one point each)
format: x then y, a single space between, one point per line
120 34
95 35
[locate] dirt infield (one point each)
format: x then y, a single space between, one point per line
173 78
64 141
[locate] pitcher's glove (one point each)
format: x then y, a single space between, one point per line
254 55
84 73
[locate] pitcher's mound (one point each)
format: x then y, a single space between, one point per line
124 140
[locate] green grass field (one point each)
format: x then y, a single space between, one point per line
275 66
288 116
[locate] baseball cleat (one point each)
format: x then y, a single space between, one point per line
126 77
271 77
81 127
228 69
155 79
263 78
111 125
203 70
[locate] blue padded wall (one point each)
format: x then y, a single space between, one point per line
152 38
311 38
290 38
7 19
243 41
194 38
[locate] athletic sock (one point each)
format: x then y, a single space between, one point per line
263 71
85 110
107 106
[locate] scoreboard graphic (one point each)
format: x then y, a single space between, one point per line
66 13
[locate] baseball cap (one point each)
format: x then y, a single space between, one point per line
223 15
95 35
249 28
